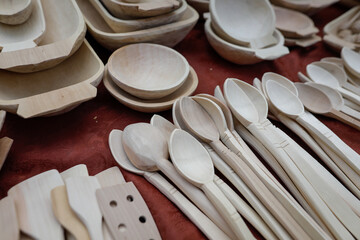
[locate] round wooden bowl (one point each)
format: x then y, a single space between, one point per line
148 71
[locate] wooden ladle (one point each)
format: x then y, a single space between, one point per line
199 171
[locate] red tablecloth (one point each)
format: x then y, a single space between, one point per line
81 136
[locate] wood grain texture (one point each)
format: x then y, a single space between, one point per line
78 170
9 226
110 177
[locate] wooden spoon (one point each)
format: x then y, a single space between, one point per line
149 154
15 12
351 60
9 226
190 210
338 61
199 171
206 130
249 23
26 35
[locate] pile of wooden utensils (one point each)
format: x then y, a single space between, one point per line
115 23
5 142
103 206
47 67
213 134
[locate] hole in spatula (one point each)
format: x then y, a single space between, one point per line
122 227
130 198
142 219
113 203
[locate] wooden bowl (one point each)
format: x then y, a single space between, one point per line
15 11
248 23
141 9
148 71
5 142
128 25
168 35
155 105
331 29
65 32
55 90
201 6
308 7
244 55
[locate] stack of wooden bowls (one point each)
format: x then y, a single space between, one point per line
46 67
115 23
244 32
149 77
308 7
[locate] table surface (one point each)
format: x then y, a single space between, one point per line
81 136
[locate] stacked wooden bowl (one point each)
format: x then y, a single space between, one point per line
149 77
308 7
46 66
244 32
115 23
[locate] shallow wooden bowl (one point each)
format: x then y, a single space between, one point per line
141 9
168 35
148 71
55 90
128 25
331 31
244 55
202 6
65 32
308 7
15 11
155 105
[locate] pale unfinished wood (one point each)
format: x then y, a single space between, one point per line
308 7
26 35
56 90
200 172
351 60
302 42
121 25
78 170
5 145
65 215
331 30
189 209
82 199
241 54
126 213
33 205
163 70
174 32
136 138
201 6
65 32
188 87
15 12
140 9
338 61
9 226
293 24
248 23
110 177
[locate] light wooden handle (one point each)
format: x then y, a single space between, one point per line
227 210
303 78
352 88
345 119
337 42
190 210
18 46
272 53
263 42
306 42
349 95
307 31
351 112
56 100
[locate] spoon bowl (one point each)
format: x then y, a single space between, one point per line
279 79
351 61
314 99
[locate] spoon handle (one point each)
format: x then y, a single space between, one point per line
349 95
351 112
228 211
313 125
345 119
188 208
351 104
351 88
262 192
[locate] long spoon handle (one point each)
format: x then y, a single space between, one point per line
351 112
195 195
352 105
228 211
345 119
313 125
352 88
190 210
262 192
349 95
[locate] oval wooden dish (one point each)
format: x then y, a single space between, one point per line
15 12
245 55
53 91
148 71
331 31
128 25
168 35
27 35
308 7
155 105
140 9
65 31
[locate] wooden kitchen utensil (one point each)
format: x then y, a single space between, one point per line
163 70
53 91
15 12
78 170
9 226
351 60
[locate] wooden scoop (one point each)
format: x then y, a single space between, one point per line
15 12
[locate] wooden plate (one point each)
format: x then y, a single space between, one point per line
158 105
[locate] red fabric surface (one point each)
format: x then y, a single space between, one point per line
81 136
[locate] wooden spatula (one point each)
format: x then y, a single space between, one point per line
9 227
